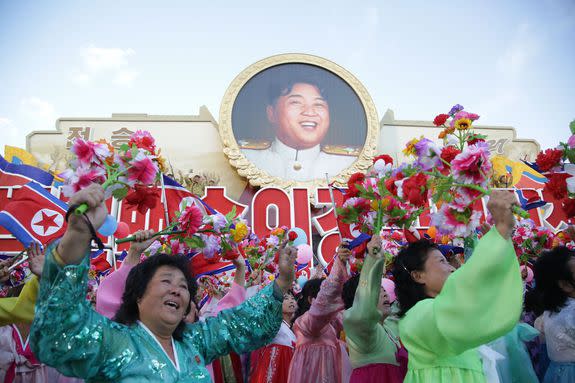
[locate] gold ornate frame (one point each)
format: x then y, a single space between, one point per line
261 178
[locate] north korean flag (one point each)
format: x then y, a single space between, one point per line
176 194
18 174
34 215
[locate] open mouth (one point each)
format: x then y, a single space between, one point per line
308 125
172 304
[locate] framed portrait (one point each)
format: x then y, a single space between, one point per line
289 120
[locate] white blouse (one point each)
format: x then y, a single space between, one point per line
285 336
559 329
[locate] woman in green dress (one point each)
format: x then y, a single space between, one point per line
153 343
448 314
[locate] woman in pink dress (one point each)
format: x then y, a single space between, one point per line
270 364
319 355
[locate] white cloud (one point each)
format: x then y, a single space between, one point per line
105 64
5 121
515 59
37 113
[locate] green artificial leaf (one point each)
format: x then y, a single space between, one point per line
195 242
572 126
120 194
231 215
124 147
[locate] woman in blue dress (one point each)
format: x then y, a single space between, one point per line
150 342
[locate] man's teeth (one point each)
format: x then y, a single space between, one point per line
309 124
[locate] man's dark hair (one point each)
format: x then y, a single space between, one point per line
138 280
410 258
283 84
551 268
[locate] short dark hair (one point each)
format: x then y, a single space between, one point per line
349 289
310 289
283 84
410 258
550 268
138 280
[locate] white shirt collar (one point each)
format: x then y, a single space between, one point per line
289 154
177 364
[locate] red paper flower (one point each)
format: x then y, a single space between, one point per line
440 119
569 207
356 178
142 198
548 159
190 220
415 189
449 153
557 185
390 183
292 236
143 140
385 157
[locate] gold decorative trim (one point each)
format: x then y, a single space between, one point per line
258 177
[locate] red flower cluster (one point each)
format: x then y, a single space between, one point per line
548 159
143 140
449 153
440 119
385 157
415 189
292 236
142 198
557 185
356 178
390 183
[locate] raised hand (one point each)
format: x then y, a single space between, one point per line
93 195
287 257
240 264
343 253
75 243
36 259
139 245
374 248
4 266
499 205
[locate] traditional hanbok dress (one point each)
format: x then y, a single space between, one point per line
17 362
270 364
70 336
374 348
319 355
228 368
559 331
111 289
480 302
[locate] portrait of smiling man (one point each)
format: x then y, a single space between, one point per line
298 111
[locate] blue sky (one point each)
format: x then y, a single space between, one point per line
512 62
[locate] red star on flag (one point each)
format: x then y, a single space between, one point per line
47 221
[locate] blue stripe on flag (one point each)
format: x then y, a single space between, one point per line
30 172
44 193
16 229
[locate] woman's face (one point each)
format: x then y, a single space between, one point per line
384 304
289 305
166 299
435 272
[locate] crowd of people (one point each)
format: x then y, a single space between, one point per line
424 320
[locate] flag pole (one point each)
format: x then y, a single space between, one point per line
333 205
164 201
